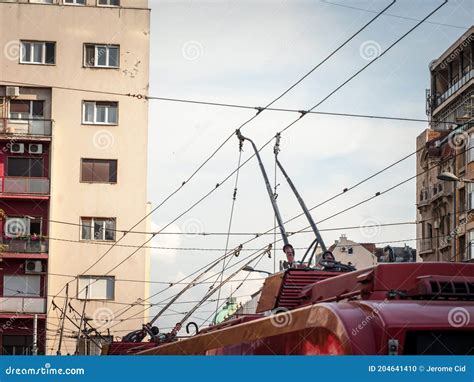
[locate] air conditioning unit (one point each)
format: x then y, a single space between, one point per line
35 148
436 224
17 148
12 91
33 266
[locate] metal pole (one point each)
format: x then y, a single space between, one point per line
303 206
61 333
80 324
269 190
35 335
454 219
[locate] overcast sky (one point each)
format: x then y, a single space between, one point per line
248 52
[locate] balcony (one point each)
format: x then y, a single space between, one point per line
24 185
426 245
23 305
453 88
24 245
26 127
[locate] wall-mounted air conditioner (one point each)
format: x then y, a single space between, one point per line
35 148
33 266
12 91
17 148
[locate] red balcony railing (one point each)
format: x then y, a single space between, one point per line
24 185
25 127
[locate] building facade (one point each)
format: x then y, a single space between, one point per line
73 164
445 228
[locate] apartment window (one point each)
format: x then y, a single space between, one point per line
76 2
470 196
42 1
470 151
98 287
110 3
99 170
25 109
22 285
101 55
38 52
100 113
24 167
16 345
98 229
470 251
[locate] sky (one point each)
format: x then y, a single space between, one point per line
248 52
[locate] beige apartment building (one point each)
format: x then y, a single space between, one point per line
445 229
73 171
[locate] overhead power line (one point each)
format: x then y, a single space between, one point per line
286 128
240 127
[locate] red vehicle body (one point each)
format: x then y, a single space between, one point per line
398 308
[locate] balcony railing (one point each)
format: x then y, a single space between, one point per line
426 245
454 88
25 127
26 245
22 305
24 185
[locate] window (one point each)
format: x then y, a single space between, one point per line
100 113
470 254
24 109
17 345
470 151
77 2
42 1
38 52
24 167
22 285
99 170
98 229
101 55
470 196
98 287
111 3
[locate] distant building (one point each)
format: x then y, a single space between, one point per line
365 255
444 228
360 255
